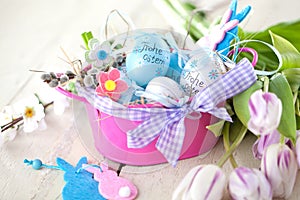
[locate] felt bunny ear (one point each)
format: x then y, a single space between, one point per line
230 25
231 34
226 16
104 166
65 166
243 14
82 161
91 169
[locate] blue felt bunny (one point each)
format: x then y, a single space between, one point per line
80 184
221 35
231 34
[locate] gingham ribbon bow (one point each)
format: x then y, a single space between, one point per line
168 124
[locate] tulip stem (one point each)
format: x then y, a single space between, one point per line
295 96
227 144
234 145
282 139
266 84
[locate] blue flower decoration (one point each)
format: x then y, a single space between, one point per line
99 54
158 71
213 74
194 63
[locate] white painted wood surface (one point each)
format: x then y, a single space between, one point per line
31 33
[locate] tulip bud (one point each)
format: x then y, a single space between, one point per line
245 183
263 142
202 182
279 165
298 149
265 111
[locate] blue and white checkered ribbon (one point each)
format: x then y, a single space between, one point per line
168 123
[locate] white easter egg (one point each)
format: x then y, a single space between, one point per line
166 87
201 70
164 91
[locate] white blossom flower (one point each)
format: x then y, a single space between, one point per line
60 103
32 112
6 116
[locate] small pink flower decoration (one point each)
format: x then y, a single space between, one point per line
110 84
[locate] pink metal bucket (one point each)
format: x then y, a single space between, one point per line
110 138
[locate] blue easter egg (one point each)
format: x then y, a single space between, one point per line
149 58
175 67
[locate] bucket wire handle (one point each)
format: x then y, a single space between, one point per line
194 12
125 18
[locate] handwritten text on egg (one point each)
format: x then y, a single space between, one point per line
158 56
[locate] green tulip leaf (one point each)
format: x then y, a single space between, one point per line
288 30
279 86
297 107
298 121
240 102
216 128
235 128
293 77
290 55
267 59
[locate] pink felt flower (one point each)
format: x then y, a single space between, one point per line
265 112
111 85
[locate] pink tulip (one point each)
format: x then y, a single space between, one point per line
279 165
203 182
263 142
265 112
298 148
245 183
